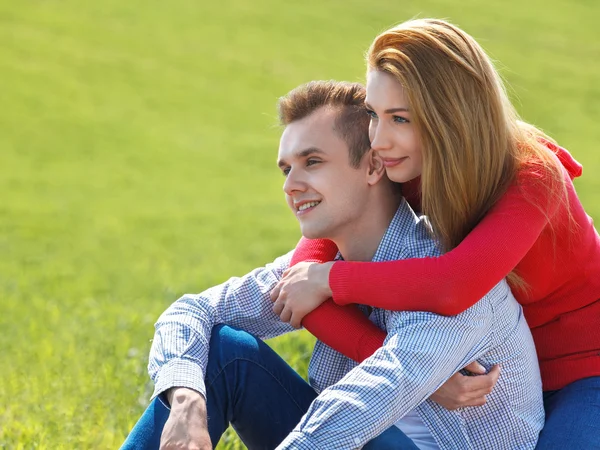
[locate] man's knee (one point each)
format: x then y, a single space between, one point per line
391 439
228 344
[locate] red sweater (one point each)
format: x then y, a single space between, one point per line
558 257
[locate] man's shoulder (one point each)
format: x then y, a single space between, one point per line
421 242
277 266
265 275
497 309
283 260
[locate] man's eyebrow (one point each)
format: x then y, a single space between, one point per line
302 154
391 110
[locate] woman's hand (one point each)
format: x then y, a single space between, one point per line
302 289
461 390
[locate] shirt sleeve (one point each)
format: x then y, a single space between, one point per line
421 352
344 328
453 282
179 352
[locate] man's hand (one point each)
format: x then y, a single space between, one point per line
186 428
302 289
462 390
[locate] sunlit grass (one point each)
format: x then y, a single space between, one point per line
137 149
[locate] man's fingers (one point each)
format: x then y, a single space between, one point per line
478 383
481 385
476 368
479 401
473 395
495 373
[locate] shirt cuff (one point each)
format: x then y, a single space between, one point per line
298 440
179 373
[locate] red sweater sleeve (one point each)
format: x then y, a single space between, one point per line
453 282
343 328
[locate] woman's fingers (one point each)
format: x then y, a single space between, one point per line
278 307
274 294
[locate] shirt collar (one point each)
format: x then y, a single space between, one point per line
406 226
401 228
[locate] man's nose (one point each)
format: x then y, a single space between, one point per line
380 137
294 182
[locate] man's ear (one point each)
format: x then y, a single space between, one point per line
376 169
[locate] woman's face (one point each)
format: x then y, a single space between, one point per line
391 131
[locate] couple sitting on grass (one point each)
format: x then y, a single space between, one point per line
421 323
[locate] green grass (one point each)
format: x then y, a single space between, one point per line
137 149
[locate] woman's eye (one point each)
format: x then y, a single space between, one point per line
371 114
399 119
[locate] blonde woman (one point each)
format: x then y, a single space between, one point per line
501 202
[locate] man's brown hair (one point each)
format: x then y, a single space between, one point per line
352 122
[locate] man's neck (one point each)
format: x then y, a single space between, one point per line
361 242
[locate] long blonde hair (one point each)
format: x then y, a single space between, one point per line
473 143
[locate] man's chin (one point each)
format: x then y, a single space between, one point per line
313 233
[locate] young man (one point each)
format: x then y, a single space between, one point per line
209 363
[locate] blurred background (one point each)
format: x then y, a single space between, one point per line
137 162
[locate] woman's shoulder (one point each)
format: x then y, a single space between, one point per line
549 162
572 167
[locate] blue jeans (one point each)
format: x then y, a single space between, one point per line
250 387
572 417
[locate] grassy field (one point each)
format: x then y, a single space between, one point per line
137 150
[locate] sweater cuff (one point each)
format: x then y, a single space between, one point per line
179 373
340 283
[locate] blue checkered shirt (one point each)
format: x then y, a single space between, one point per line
357 402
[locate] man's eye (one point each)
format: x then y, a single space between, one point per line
312 162
285 171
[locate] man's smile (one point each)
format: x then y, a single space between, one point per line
305 206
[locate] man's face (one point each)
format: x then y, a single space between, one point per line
322 189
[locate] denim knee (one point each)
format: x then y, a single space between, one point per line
228 344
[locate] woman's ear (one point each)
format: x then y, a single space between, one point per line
376 169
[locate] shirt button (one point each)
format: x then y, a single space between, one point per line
357 441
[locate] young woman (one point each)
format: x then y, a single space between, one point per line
501 202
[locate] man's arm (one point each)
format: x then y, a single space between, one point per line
179 352
187 426
421 352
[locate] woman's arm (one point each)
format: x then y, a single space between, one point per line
347 330
343 328
453 282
